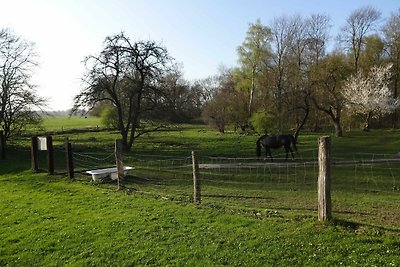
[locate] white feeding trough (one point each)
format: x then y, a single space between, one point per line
107 172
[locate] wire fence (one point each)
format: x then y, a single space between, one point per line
249 183
364 187
359 171
379 172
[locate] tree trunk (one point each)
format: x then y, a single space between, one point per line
306 113
367 122
252 89
124 140
338 128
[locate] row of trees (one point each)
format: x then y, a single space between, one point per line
288 74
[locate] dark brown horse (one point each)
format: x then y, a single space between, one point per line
274 142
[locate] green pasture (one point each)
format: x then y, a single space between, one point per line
254 213
59 124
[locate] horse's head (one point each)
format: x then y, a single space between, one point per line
258 148
258 145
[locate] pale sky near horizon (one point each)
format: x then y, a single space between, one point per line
200 34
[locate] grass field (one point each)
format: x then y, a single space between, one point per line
248 217
67 123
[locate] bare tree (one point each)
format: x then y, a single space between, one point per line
126 75
18 98
318 27
358 25
283 34
180 102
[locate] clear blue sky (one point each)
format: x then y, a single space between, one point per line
200 34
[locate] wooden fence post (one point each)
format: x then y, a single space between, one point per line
119 162
50 154
69 158
34 154
196 179
324 179
2 145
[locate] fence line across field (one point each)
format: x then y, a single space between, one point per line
246 177
367 168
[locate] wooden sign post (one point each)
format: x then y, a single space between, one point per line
42 143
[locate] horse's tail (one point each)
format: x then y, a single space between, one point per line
258 144
294 142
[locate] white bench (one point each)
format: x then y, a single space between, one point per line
107 172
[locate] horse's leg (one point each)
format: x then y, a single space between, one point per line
287 152
268 152
291 152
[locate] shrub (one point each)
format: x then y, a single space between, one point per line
263 122
109 117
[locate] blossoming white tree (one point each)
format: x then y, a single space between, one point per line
370 95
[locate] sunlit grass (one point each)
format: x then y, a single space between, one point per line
246 218
68 123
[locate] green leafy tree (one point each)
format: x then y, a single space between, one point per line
327 79
373 53
109 117
253 56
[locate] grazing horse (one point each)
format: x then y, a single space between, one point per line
274 142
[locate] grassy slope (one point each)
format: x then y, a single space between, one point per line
52 221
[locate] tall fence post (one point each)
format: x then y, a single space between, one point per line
34 154
69 158
50 154
2 145
119 162
324 179
196 179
